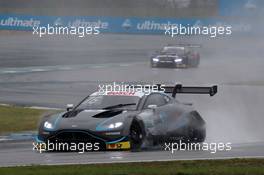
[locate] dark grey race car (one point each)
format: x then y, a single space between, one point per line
176 56
128 120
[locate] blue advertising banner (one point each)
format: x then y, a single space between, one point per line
113 24
106 24
242 8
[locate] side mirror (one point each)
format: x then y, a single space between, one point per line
152 107
69 107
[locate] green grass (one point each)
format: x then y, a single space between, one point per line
17 119
198 167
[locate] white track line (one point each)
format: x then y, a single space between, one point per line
31 107
44 108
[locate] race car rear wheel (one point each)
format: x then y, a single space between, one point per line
137 136
197 135
194 62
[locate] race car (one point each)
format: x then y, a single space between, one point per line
127 120
176 56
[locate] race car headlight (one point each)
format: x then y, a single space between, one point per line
48 125
115 125
177 60
155 59
109 126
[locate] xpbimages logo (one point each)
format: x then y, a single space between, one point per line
130 88
183 146
56 146
78 31
211 31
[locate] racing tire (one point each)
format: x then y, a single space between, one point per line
194 62
197 62
136 135
197 135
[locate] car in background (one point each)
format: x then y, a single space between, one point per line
176 56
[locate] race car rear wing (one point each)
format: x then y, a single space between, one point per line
179 89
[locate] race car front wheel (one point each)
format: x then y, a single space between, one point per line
137 135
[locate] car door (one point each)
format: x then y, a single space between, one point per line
154 113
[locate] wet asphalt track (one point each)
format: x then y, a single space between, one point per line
52 72
20 153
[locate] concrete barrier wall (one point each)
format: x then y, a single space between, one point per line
124 8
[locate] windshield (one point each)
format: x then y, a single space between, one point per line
176 50
105 101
